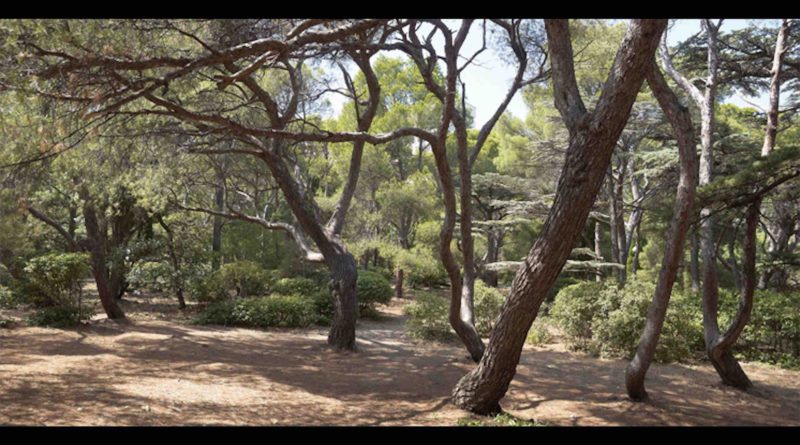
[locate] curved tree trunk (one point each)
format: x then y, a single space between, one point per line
592 140
680 121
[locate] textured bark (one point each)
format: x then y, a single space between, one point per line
177 283
216 234
398 287
680 121
592 140
598 251
99 260
694 263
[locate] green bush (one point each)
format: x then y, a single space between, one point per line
6 323
429 314
262 312
55 279
245 278
606 320
488 302
296 285
428 317
323 306
573 310
57 317
420 267
773 333
152 276
8 298
372 288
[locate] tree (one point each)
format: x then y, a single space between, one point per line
680 120
593 136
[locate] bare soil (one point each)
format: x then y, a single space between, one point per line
157 369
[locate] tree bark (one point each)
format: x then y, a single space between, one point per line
592 140
680 121
98 255
216 235
177 282
398 288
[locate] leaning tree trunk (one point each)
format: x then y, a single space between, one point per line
680 121
97 253
592 140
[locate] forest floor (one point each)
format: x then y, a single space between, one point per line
158 369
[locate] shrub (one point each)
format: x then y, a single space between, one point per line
420 267
57 317
8 298
538 334
372 288
245 278
323 306
153 276
573 310
488 302
428 317
606 320
55 279
429 314
6 323
296 285
773 332
262 312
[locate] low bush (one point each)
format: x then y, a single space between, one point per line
55 279
152 276
372 288
240 279
428 314
8 298
420 268
262 312
428 317
296 285
773 333
57 317
603 319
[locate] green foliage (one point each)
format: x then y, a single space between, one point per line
573 310
372 288
262 312
488 302
773 333
153 276
245 278
421 268
55 279
8 298
65 316
296 285
6 323
604 319
428 315
538 333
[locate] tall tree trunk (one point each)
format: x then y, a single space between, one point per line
694 262
592 140
97 252
680 121
216 235
177 282
398 288
344 275
598 251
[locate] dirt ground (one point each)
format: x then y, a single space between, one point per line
151 371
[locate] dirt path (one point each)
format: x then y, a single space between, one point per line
157 372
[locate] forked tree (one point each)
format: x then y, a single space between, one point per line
592 138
